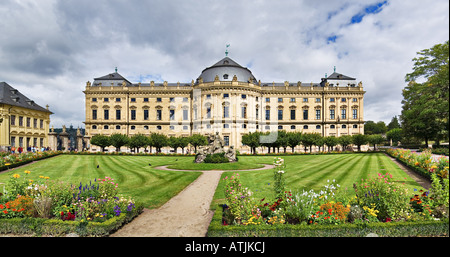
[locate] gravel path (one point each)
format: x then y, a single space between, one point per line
185 215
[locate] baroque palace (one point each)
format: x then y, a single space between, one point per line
23 123
225 98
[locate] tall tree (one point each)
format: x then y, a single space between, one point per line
393 124
425 110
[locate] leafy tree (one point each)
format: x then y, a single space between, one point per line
359 140
370 127
308 140
118 140
425 110
294 139
158 141
252 140
375 140
393 124
317 140
331 141
183 142
395 135
137 141
198 140
282 140
174 142
101 140
345 141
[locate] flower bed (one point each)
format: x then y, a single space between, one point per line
373 203
422 163
13 160
51 207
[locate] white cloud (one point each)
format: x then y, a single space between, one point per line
52 48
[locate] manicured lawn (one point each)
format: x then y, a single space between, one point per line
305 172
136 178
188 164
154 187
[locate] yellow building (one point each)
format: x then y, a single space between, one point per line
23 122
225 98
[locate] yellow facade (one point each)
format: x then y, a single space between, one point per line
233 107
22 125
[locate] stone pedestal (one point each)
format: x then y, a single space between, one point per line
79 143
64 136
52 139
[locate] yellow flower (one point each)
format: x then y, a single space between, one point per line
41 176
27 172
16 176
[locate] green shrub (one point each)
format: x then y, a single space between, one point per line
216 158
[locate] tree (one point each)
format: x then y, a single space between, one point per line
317 140
393 124
252 140
183 141
282 140
375 140
395 135
119 140
370 127
198 140
359 140
345 141
294 139
308 141
158 141
100 140
137 141
174 142
331 141
425 110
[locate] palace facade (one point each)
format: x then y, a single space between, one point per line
225 98
23 123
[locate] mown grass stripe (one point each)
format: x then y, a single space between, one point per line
326 173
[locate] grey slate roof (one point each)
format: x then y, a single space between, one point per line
226 69
12 96
338 76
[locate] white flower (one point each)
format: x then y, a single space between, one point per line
281 171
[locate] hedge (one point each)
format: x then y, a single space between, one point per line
57 227
389 229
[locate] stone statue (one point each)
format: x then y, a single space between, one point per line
231 154
216 145
201 155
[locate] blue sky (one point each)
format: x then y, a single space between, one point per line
51 48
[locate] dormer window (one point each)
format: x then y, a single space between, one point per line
225 76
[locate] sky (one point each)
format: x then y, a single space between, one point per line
49 49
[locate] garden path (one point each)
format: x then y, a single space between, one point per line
185 215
